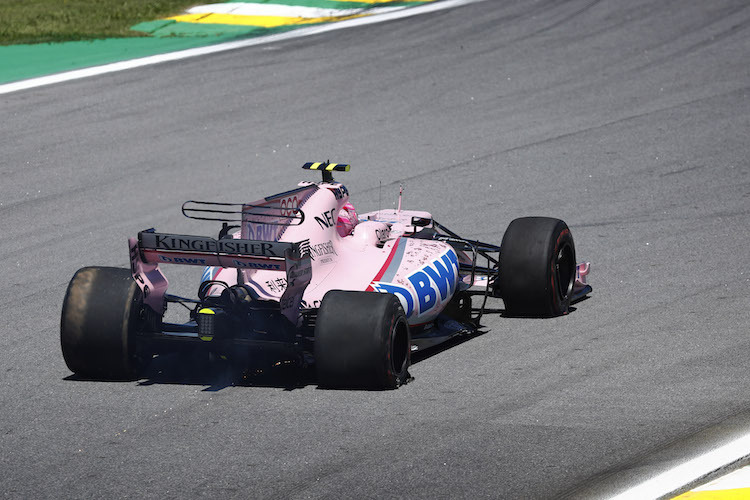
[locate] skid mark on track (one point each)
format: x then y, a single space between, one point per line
708 40
562 21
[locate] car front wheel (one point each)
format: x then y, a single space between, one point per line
537 267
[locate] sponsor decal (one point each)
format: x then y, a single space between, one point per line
404 295
277 286
209 245
269 232
256 265
183 260
246 247
442 273
289 206
298 271
431 285
339 192
321 249
327 219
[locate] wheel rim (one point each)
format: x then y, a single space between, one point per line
400 347
565 272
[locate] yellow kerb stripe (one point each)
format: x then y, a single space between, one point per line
736 494
261 21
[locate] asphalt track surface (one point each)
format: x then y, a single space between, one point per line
629 120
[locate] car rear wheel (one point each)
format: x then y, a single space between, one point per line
100 318
537 267
361 340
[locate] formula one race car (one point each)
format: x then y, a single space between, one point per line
299 277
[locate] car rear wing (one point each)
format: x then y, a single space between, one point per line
162 248
150 249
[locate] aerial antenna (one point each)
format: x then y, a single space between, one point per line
380 190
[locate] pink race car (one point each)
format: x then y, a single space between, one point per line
298 276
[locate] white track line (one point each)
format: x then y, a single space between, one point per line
676 478
222 47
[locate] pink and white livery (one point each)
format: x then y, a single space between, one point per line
299 276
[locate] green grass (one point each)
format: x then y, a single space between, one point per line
39 21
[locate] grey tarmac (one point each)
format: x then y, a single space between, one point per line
629 120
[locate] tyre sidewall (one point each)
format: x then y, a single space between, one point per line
356 334
99 322
528 281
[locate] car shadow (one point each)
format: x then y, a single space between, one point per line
217 374
200 369
197 368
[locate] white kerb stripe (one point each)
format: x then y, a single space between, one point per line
739 479
688 472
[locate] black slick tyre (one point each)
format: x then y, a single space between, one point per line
100 317
537 267
362 340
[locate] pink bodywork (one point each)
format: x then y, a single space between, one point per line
369 255
423 274
372 255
